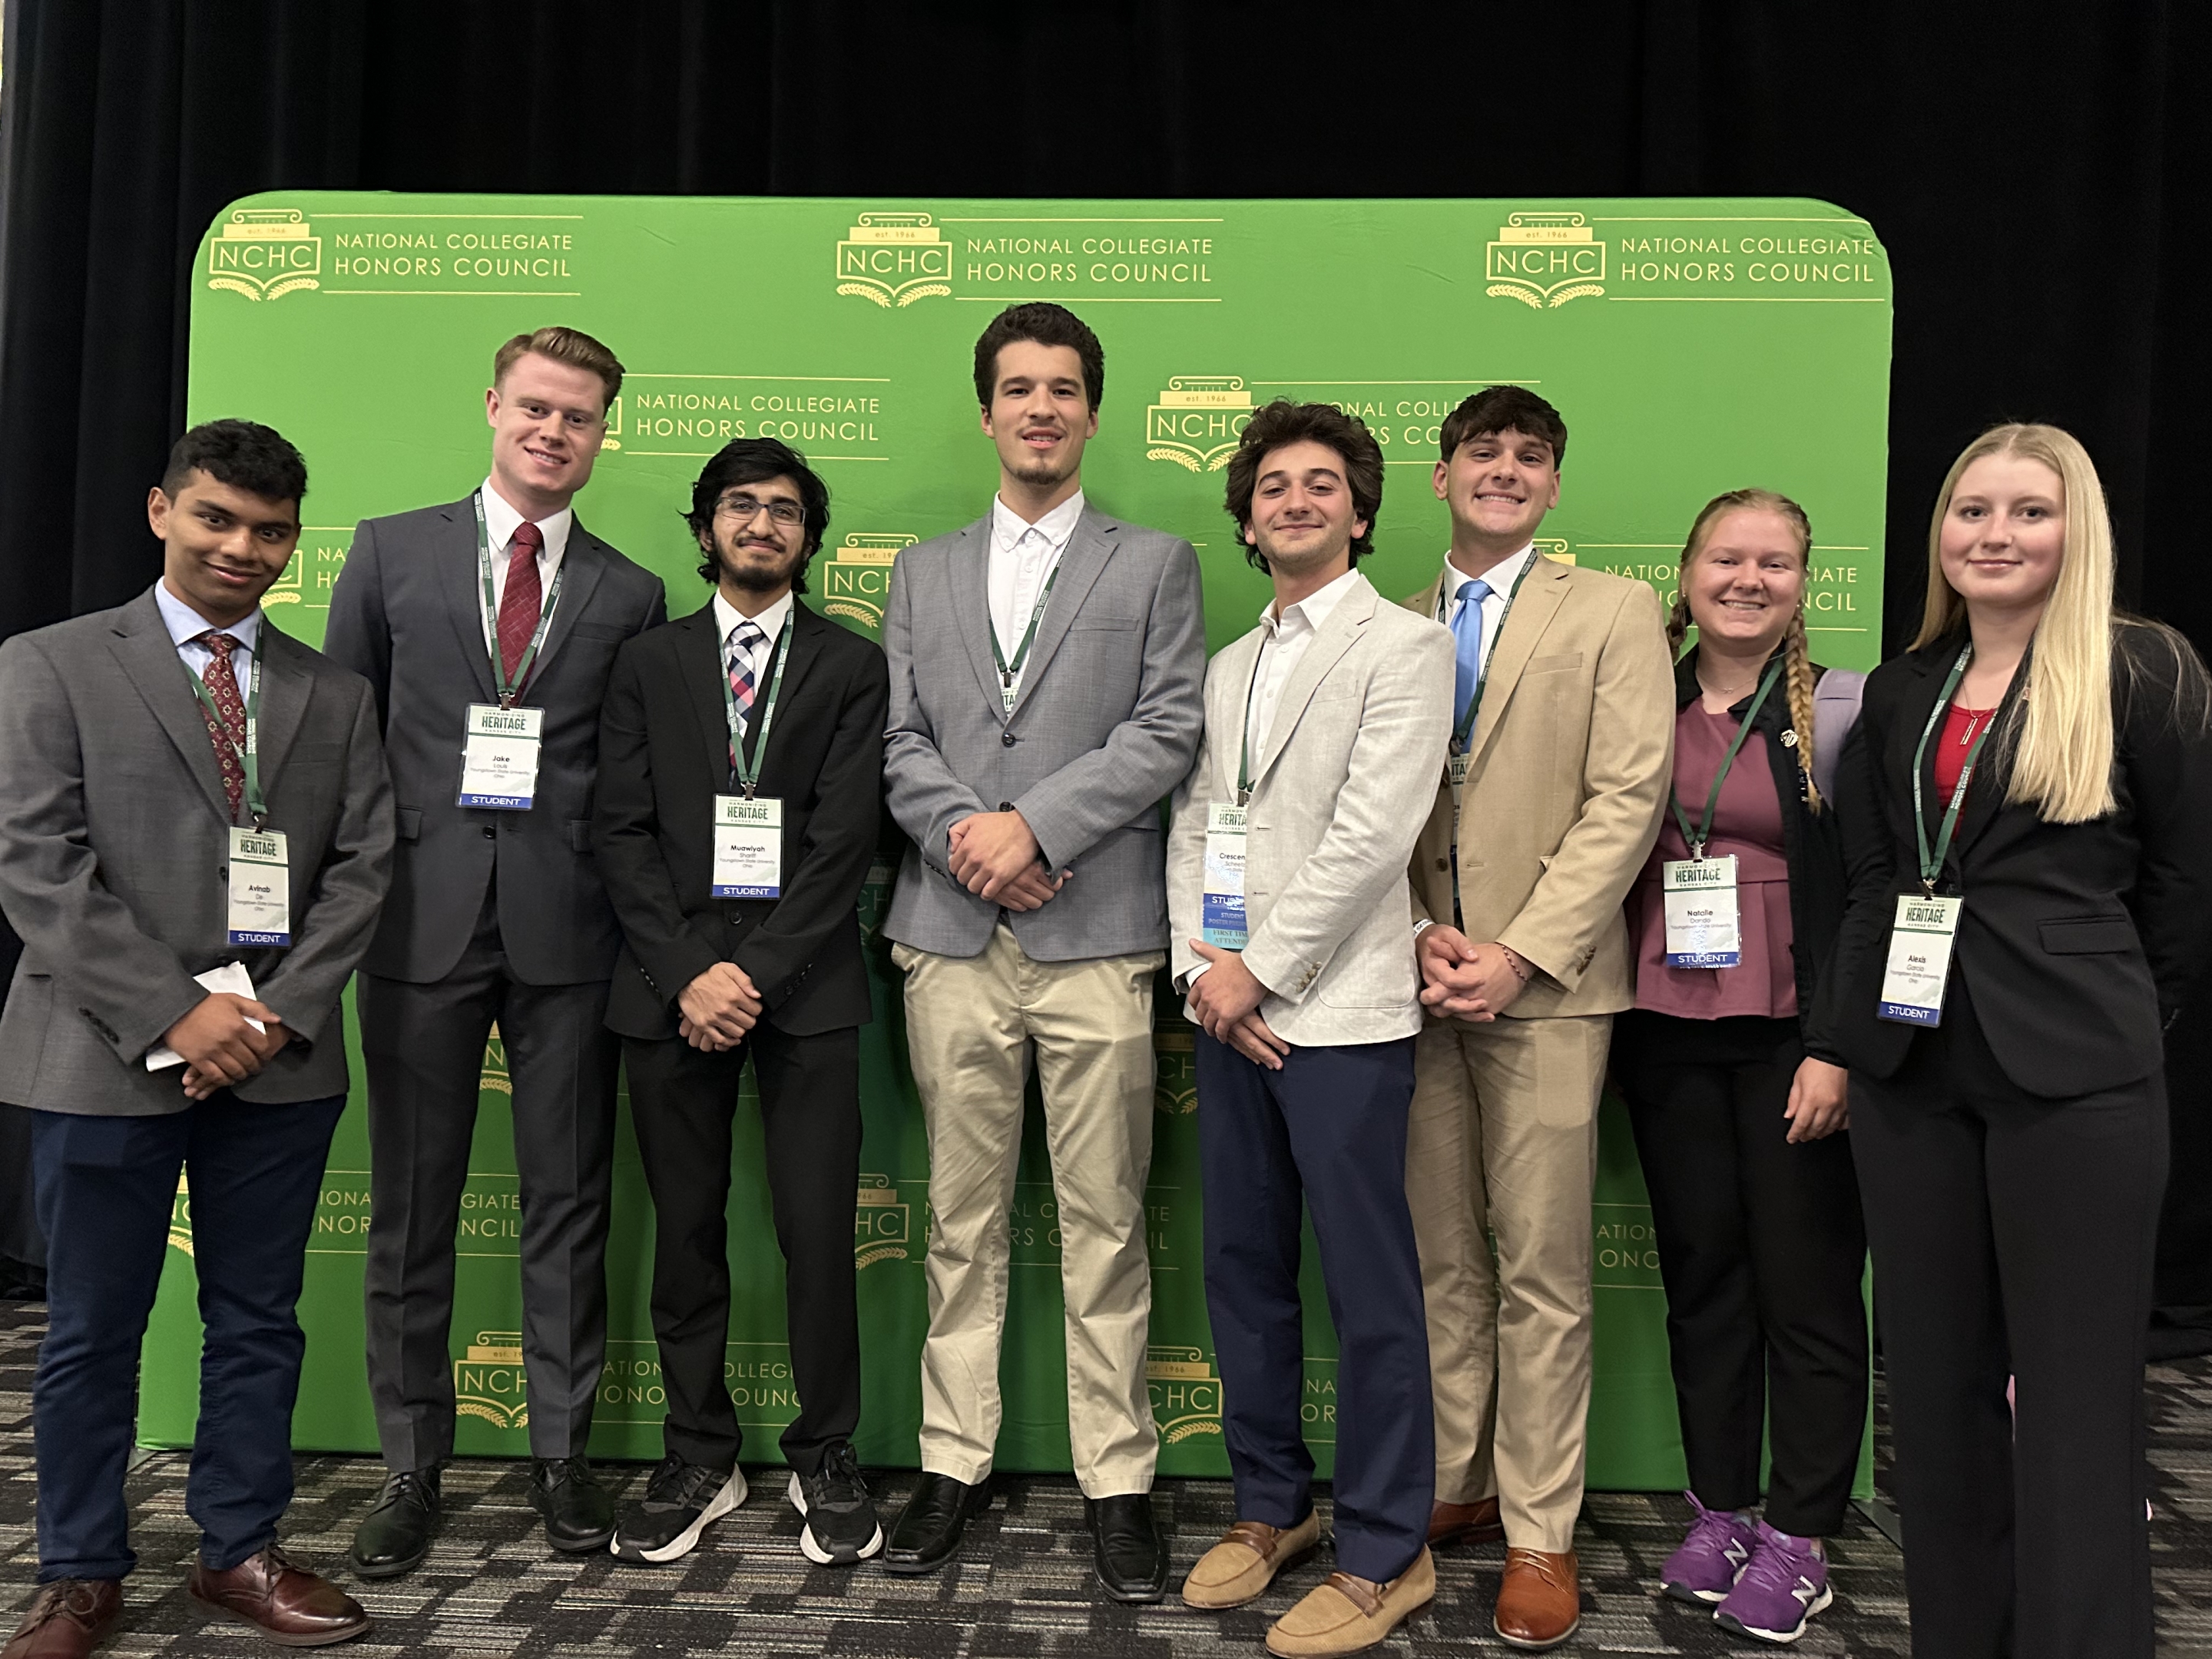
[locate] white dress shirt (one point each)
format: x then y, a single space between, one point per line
760 655
501 522
184 623
1024 555
1501 577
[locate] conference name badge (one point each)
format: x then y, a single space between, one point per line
499 760
1457 768
748 847
1702 921
1221 902
1919 959
259 909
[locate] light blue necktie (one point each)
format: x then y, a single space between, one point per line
1466 633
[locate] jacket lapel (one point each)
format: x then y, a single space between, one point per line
1993 778
582 563
971 607
807 631
1531 613
149 658
1337 634
459 580
286 686
699 664
1080 565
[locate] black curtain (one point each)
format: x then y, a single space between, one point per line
2034 170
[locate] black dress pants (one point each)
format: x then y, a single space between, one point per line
1764 1255
2015 1234
682 1103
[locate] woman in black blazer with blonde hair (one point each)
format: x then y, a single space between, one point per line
2009 1105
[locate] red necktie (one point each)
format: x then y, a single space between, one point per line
520 604
229 739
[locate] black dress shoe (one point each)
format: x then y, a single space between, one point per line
396 1535
1126 1544
928 1533
580 1514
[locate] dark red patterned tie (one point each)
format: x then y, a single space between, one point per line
229 737
520 604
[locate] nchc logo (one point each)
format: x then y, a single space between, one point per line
1197 420
1186 1394
894 259
883 1223
857 580
1545 260
489 1382
266 254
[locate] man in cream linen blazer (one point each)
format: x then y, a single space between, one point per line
1305 1060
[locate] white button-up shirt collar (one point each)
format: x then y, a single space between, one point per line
501 520
1501 577
1284 639
1024 555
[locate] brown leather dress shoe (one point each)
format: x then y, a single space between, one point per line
1471 1523
67 1619
1539 1604
281 1599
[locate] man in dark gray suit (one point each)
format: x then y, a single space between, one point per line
194 838
1046 668
489 628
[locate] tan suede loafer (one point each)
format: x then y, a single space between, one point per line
1344 1614
1244 1563
1540 1603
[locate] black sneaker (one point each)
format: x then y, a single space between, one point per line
682 1500
840 1527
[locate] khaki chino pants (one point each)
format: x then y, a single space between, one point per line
972 1022
1503 1141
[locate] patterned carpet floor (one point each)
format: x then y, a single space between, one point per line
1023 1587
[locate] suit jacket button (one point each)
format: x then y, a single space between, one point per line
490 832
1444 864
1006 739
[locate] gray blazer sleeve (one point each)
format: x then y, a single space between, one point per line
1149 753
925 797
342 913
133 986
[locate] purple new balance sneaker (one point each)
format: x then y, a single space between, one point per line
1785 1584
1704 1570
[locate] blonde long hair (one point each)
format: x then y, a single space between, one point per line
1797 675
2062 762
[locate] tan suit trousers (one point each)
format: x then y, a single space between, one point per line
1503 1142
972 1022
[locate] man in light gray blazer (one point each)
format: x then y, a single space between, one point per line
1045 667
187 789
497 915
1287 880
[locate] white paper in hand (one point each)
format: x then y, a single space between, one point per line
232 977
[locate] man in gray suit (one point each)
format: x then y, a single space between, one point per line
192 797
488 628
1046 665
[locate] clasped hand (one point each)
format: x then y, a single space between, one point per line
1226 1000
995 856
220 1048
1463 979
718 1008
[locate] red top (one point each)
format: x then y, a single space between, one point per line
1748 822
1954 744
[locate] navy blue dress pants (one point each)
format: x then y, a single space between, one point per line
1329 1128
106 1192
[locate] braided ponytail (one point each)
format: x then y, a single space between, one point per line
1799 675
1678 623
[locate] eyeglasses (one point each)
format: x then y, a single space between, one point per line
787 514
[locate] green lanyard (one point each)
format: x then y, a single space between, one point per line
1931 863
510 690
1244 736
249 758
1008 670
1465 729
746 772
1705 830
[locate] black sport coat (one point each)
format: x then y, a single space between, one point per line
2078 942
664 755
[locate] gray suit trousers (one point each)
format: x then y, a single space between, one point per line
423 1045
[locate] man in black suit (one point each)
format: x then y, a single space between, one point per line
194 838
488 628
741 761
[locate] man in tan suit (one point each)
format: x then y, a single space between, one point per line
1547 804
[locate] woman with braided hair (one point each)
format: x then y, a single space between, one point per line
1737 1118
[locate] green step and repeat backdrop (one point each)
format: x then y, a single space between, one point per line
1693 347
